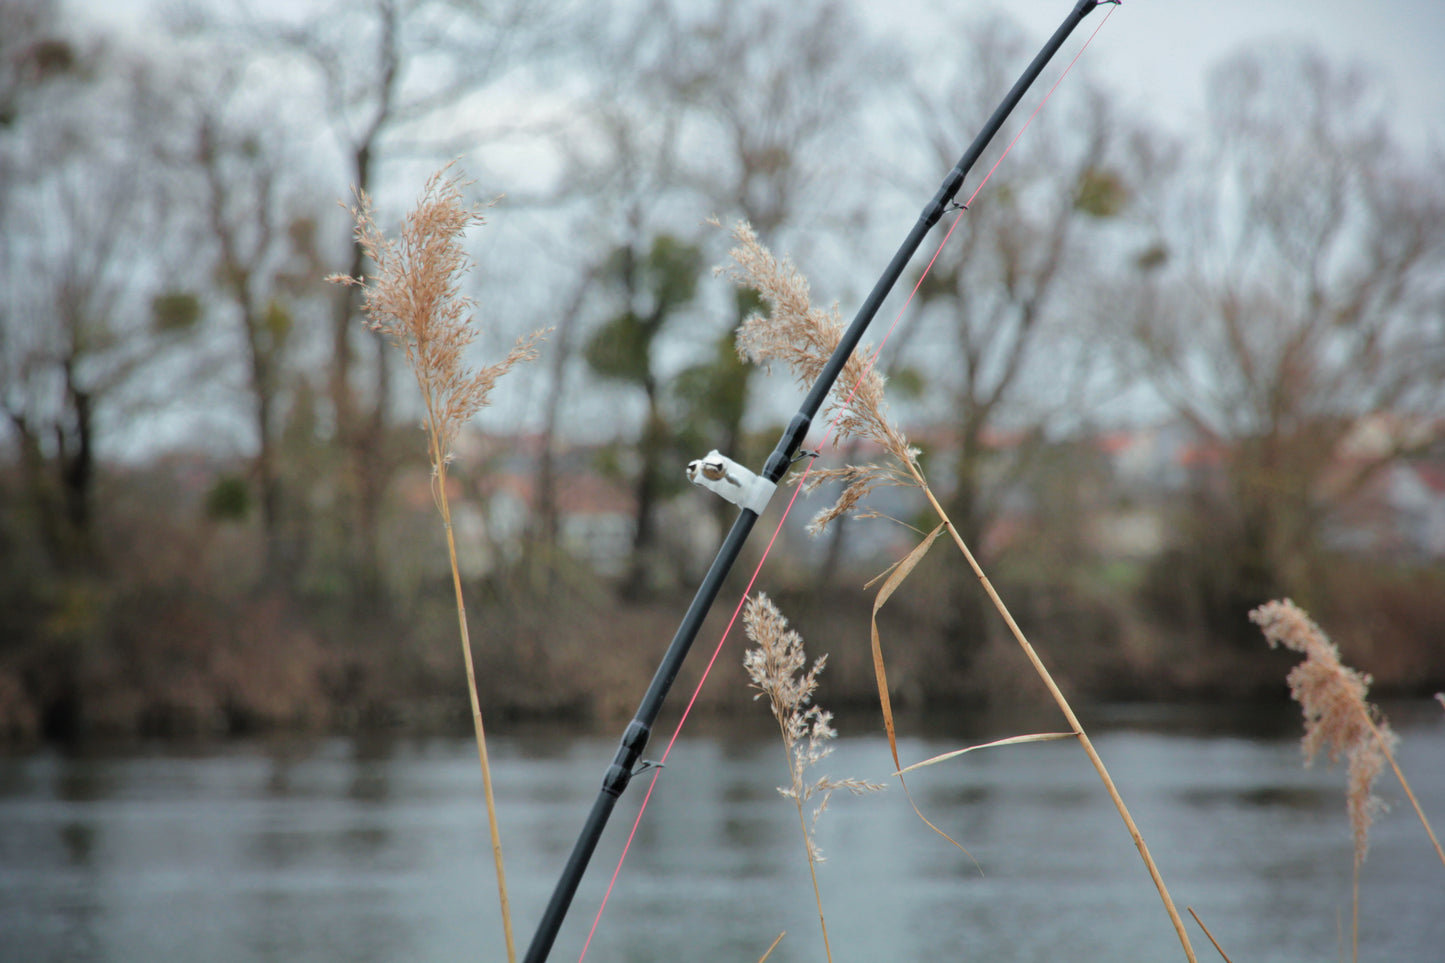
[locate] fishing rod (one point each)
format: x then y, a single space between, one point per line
752 493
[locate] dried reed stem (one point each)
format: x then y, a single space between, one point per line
764 957
1208 934
799 335
777 669
1410 793
415 300
477 727
1073 720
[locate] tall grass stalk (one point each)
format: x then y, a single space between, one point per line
415 300
764 957
1217 947
778 668
1067 710
1339 720
802 336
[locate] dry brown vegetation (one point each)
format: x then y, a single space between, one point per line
415 299
778 668
1339 720
124 611
801 337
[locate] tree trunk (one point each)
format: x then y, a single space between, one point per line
640 569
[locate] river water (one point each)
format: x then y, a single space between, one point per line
377 849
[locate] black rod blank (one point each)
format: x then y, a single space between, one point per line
634 738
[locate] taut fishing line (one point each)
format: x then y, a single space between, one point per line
959 211
628 759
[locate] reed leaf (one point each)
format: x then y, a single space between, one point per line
1010 741
896 575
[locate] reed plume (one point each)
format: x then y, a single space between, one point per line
1339 721
778 668
415 300
795 333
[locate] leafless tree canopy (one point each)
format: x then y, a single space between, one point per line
1157 380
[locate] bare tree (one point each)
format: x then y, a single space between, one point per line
393 77
1295 289
266 268
85 301
732 109
770 96
999 335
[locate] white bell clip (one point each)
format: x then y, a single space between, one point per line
716 472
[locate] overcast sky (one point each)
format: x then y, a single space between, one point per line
1154 54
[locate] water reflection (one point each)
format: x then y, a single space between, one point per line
78 839
377 849
1305 800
